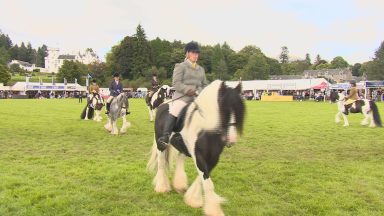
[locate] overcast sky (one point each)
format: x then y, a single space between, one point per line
352 29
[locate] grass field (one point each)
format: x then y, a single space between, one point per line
291 160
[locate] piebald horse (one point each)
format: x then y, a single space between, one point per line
156 100
367 107
205 126
94 106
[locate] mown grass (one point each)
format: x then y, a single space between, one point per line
291 160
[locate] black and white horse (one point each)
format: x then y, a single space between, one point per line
94 106
156 100
119 108
367 107
203 129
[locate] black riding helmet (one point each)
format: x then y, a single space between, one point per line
192 47
116 74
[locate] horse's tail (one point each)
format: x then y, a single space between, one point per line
91 112
375 112
82 116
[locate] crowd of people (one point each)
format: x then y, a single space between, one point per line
310 94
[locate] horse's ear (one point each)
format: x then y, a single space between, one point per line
239 87
222 89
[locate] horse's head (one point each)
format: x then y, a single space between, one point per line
232 112
122 100
166 89
340 96
162 93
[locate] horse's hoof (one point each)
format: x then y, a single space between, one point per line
346 125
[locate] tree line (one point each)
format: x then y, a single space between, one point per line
136 58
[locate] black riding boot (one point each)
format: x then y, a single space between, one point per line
168 127
346 107
108 106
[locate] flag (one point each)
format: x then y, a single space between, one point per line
53 81
89 76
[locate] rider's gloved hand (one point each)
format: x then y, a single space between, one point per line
191 92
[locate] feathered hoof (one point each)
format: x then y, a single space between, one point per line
107 128
180 190
163 189
194 203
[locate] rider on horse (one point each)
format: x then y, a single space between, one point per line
115 89
94 90
351 97
155 85
188 80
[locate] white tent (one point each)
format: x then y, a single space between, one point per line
23 86
293 84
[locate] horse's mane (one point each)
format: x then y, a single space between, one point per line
214 106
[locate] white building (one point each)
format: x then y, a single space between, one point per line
55 59
24 65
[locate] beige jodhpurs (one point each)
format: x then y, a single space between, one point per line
176 106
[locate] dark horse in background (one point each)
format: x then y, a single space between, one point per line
205 126
156 99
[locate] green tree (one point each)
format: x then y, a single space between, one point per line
236 61
308 59
284 55
42 52
120 58
375 69
72 70
22 54
318 60
141 53
339 62
356 69
5 76
256 68
99 71
288 69
323 66
274 66
5 41
4 56
15 69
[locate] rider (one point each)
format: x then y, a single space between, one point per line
188 80
115 89
155 85
351 97
93 89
